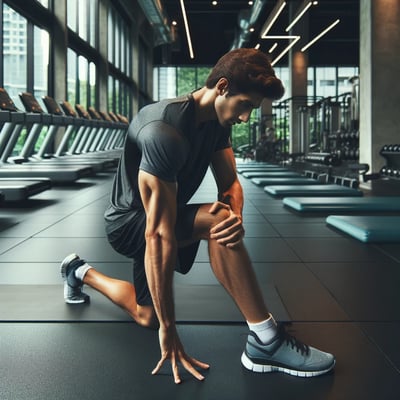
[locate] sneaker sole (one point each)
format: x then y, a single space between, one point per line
63 269
260 368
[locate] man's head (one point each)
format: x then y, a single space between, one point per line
247 71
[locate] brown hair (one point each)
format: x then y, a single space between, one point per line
247 70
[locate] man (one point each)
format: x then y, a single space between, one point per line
168 149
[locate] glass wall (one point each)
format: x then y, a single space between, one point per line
24 45
322 82
82 18
29 51
15 54
120 58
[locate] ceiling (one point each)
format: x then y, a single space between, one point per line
213 30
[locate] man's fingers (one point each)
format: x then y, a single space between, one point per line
175 371
188 364
158 366
216 206
231 222
199 364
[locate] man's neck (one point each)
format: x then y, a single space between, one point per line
204 102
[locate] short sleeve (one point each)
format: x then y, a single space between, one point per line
224 141
164 150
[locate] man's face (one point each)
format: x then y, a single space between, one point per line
235 108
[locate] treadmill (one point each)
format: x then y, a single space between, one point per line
16 189
53 122
10 133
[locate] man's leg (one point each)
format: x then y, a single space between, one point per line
232 267
123 294
272 349
76 272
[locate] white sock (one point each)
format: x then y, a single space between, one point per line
265 330
80 272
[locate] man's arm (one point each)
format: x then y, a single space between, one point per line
230 193
159 200
229 188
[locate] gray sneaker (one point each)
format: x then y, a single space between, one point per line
285 354
72 286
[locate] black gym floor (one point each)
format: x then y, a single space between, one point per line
341 295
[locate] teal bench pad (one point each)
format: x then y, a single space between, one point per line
368 228
311 190
271 174
343 204
302 180
270 168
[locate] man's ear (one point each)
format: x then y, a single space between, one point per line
222 86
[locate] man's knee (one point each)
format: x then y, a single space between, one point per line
205 221
147 317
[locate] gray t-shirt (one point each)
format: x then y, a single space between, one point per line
163 140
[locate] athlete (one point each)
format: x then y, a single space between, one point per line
169 147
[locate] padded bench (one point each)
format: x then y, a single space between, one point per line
265 168
368 228
311 190
271 174
343 204
301 180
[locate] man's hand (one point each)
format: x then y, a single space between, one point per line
172 349
229 232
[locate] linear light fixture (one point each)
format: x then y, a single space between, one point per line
272 18
189 40
324 32
293 40
273 47
306 5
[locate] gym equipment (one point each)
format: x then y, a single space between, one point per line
368 228
311 190
11 131
255 167
301 180
271 174
14 189
339 204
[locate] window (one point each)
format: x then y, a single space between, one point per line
325 79
120 82
15 57
72 75
24 44
119 42
82 18
41 62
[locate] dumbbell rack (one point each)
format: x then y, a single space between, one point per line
391 153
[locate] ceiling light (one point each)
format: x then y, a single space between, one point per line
189 40
214 3
250 3
320 35
272 17
300 14
293 40
273 47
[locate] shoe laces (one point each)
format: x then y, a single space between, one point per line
296 344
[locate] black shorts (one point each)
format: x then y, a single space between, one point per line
129 240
